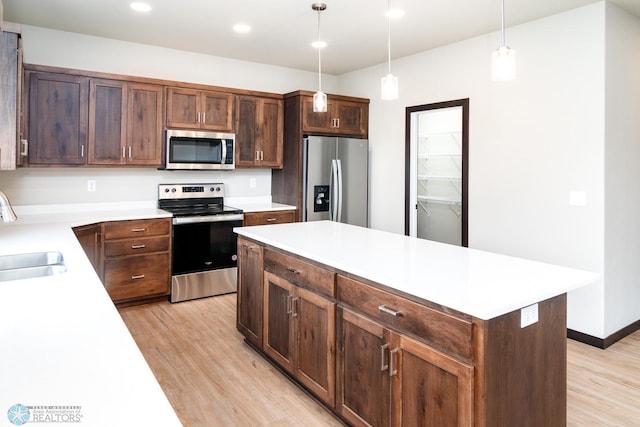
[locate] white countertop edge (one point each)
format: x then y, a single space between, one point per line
487 312
83 207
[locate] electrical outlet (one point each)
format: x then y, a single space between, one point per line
529 315
91 185
577 198
252 183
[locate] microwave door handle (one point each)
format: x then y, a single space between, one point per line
224 152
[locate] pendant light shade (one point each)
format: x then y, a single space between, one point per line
503 61
319 98
389 83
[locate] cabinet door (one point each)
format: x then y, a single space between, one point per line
247 154
58 116
250 294
9 72
89 237
270 132
315 366
137 276
182 108
316 122
363 391
107 122
144 125
352 118
429 387
217 111
278 327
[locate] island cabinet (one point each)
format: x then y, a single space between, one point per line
387 377
299 321
200 109
379 356
250 293
259 132
137 258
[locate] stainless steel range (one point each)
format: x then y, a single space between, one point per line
204 246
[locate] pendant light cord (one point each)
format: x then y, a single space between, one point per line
503 38
319 55
389 34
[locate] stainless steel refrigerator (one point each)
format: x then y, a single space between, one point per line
336 180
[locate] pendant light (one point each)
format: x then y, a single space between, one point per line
503 59
389 83
319 98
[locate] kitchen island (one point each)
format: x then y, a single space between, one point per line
390 330
66 353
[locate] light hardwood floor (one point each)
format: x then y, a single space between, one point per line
213 379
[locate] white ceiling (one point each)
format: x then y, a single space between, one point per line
282 30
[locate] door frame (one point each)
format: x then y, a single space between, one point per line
464 103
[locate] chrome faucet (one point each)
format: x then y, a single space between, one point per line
6 211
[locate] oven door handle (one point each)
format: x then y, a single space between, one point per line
207 218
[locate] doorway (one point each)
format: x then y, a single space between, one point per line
436 171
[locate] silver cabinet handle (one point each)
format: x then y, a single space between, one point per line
82 150
138 230
294 308
293 270
140 276
204 117
198 118
138 246
289 310
129 151
25 147
393 354
384 309
124 155
384 365
271 219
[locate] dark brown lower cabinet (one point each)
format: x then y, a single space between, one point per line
249 297
388 379
299 334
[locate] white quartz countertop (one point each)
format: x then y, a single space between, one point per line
63 341
482 284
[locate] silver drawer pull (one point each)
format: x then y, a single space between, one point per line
139 276
271 219
384 309
138 246
138 230
393 362
293 270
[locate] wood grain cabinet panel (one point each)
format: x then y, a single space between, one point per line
349 118
137 259
90 239
300 272
57 120
299 334
107 122
269 217
10 88
145 107
250 293
259 132
196 109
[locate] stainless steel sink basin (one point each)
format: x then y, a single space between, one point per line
30 265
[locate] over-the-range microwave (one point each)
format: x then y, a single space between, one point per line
187 149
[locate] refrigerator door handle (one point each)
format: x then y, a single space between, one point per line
333 191
339 174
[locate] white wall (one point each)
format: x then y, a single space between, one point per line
32 186
532 141
622 166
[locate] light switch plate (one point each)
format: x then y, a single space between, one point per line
529 315
91 185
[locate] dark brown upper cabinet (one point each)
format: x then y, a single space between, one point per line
196 109
259 132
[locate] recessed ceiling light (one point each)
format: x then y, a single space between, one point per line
319 44
140 7
241 28
394 13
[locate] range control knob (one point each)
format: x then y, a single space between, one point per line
173 190
166 190
218 189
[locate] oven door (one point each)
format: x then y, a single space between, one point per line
204 258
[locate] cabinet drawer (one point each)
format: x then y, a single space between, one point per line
137 276
451 333
136 246
300 272
137 228
268 217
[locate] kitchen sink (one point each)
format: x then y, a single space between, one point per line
31 265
